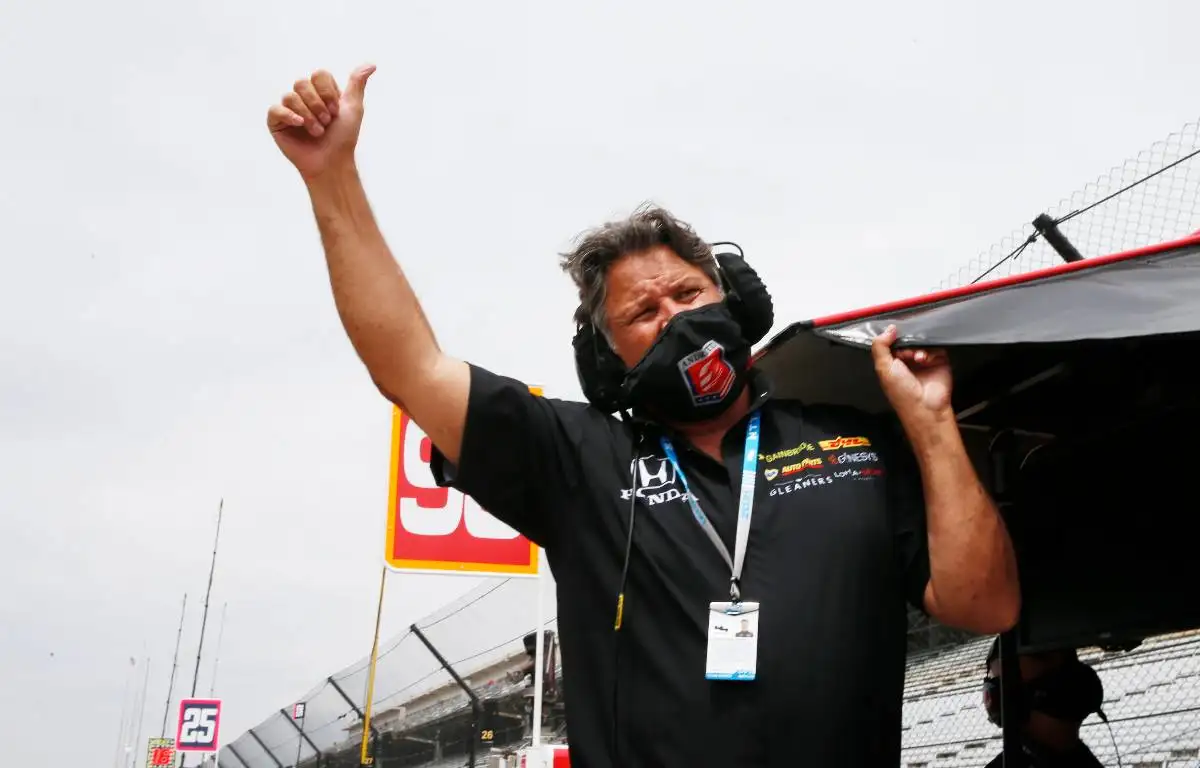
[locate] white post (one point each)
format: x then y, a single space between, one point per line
539 656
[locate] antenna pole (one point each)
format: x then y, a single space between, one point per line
216 661
204 616
174 666
141 715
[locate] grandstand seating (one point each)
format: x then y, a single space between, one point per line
1152 700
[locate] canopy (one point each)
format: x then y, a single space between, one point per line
1074 388
1144 293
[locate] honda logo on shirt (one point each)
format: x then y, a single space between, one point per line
654 472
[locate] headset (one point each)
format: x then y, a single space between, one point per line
1070 691
602 374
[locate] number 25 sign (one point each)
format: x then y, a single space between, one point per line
442 530
199 725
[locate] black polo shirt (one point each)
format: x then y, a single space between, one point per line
837 544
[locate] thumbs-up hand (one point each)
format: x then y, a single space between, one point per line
316 124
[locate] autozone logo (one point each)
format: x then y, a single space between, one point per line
431 528
800 466
199 725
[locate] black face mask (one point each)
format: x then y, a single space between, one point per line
695 369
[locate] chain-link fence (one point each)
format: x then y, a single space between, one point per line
1151 694
1151 198
1151 700
482 637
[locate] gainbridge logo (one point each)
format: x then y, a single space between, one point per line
838 443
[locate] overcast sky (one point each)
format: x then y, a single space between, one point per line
167 337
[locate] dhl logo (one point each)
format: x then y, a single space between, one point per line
839 442
800 466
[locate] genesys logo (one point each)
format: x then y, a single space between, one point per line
840 443
855 457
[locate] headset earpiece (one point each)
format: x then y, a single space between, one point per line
599 369
1070 692
747 297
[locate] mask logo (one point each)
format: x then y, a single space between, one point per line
708 375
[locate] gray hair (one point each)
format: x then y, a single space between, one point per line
597 249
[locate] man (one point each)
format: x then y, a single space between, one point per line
1057 692
648 517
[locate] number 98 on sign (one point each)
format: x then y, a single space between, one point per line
199 723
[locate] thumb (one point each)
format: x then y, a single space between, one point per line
356 86
881 348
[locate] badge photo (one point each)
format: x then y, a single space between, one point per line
732 641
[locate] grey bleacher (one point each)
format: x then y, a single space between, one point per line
1152 699
495 689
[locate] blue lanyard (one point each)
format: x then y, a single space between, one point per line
745 504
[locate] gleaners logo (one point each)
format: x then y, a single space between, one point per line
839 442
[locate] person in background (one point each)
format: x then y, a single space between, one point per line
1057 693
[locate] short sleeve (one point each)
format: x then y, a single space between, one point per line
517 459
906 507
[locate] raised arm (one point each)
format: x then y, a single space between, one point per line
316 126
973 582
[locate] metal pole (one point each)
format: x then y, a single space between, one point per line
350 701
1048 228
270 754
204 616
137 740
123 727
212 687
303 736
539 656
236 756
207 594
300 741
475 705
364 758
1001 451
174 667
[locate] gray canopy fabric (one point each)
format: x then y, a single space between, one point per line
1150 292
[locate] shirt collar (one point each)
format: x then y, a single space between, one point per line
757 381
